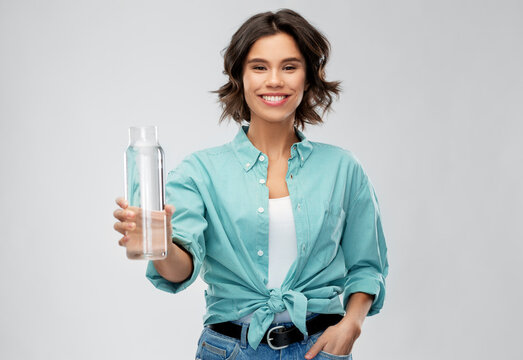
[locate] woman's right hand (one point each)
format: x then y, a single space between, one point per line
127 216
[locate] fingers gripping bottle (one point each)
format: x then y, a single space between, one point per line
145 194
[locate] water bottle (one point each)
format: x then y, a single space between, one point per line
145 194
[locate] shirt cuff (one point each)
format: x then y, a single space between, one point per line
373 286
161 283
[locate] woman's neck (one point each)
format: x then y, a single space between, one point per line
273 139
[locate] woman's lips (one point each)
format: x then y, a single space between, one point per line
274 100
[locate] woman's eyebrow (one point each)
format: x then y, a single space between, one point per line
258 60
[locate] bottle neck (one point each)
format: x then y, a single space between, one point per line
143 136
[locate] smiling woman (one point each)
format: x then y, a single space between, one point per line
299 45
277 225
274 86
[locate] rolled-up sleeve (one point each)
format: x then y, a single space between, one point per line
364 248
188 226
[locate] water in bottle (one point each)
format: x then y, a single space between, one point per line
145 194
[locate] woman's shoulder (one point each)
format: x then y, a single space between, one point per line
200 160
346 163
335 152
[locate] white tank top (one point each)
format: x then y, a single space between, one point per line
282 249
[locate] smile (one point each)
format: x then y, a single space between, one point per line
274 100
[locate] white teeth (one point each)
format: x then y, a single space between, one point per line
274 98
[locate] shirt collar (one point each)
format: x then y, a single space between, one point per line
247 154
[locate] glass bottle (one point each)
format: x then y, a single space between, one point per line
145 194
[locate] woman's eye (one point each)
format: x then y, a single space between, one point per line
259 67
289 67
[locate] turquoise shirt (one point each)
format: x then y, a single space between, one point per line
221 218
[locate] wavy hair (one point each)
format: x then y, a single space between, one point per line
314 47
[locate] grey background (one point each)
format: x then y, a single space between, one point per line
432 106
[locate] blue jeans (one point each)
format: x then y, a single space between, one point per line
215 346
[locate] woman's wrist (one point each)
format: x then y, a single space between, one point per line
178 266
358 307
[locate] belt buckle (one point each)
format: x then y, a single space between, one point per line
269 338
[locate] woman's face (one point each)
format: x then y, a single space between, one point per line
274 78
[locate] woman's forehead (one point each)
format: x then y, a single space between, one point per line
275 47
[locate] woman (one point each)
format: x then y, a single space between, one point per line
277 225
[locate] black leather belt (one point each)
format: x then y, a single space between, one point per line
279 337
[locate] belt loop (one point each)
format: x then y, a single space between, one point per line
243 340
305 338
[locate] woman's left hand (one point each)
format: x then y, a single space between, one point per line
337 339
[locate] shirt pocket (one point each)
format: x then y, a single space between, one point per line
329 236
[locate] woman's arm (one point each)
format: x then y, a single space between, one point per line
357 308
177 266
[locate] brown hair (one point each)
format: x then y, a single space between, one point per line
314 47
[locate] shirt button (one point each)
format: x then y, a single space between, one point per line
262 181
261 158
303 248
247 165
302 158
260 253
299 206
260 210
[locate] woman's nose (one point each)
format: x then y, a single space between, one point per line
274 79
